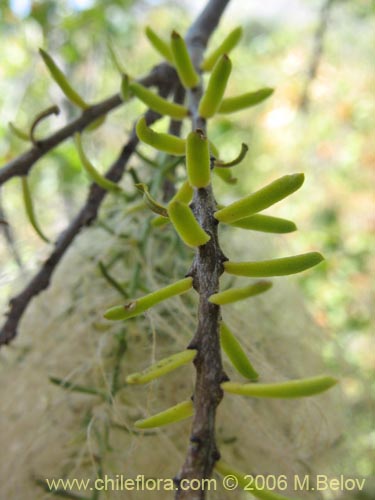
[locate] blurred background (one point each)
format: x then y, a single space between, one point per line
317 54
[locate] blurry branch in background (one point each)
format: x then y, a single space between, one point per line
85 217
23 163
317 53
8 235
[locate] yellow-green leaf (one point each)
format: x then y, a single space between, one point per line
243 101
266 224
236 294
274 267
182 61
216 86
97 177
163 142
261 199
62 81
291 389
225 47
29 207
162 367
157 103
198 159
159 44
236 354
186 224
138 306
174 414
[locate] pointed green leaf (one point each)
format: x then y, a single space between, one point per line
98 178
159 44
274 267
182 61
225 47
264 198
243 101
163 142
174 414
162 367
236 354
29 207
157 103
186 224
216 86
292 389
266 224
236 294
138 306
62 81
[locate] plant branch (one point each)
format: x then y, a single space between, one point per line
316 54
206 270
85 217
22 164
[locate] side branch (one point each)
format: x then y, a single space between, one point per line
88 213
22 164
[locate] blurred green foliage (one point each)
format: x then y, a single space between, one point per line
333 143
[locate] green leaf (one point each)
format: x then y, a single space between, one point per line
236 354
99 179
292 389
162 367
266 224
236 294
274 267
29 208
182 62
225 47
198 159
216 86
138 306
62 81
157 103
174 414
163 142
159 44
186 224
264 198
243 101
